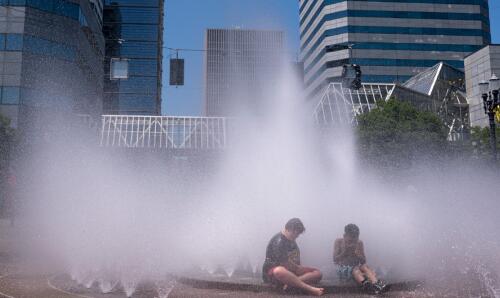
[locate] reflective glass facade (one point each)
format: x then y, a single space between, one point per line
391 40
51 54
133 31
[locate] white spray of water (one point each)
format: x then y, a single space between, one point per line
109 218
164 287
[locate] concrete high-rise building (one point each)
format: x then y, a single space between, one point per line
240 67
51 55
390 40
480 66
134 36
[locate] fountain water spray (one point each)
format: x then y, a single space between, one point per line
140 214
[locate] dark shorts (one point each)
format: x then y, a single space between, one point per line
344 272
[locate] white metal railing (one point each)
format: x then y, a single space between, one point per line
340 106
163 132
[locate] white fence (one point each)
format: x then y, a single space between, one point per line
163 132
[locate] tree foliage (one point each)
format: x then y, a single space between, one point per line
396 134
480 142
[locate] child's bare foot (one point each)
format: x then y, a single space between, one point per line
317 291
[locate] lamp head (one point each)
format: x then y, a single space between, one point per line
483 87
494 83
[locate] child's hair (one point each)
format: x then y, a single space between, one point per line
352 230
296 225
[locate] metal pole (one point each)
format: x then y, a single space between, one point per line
491 116
493 138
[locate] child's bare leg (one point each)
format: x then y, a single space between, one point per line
310 275
290 279
358 275
369 273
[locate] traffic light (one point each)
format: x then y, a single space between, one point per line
351 76
176 72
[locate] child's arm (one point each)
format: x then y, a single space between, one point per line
360 252
338 254
290 265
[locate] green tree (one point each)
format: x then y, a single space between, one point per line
480 142
396 134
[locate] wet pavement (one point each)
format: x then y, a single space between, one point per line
17 281
20 285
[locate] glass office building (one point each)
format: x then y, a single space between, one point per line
133 30
390 40
51 55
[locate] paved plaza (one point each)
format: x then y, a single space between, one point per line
24 277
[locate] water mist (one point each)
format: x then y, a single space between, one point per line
114 222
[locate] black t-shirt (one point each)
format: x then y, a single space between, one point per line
280 251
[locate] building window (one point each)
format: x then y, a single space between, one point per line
119 69
82 19
17 2
10 95
14 42
42 4
44 47
67 9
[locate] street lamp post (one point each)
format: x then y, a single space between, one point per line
489 93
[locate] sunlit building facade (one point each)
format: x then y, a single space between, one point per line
480 66
133 30
390 40
240 68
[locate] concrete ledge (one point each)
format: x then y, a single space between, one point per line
255 286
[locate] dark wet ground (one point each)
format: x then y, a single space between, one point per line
61 286
45 286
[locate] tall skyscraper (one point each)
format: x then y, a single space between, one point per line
134 36
51 55
240 66
390 40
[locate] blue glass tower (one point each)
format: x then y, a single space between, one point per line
51 55
133 30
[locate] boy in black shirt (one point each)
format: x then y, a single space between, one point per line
282 265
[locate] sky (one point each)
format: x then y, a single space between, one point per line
185 24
